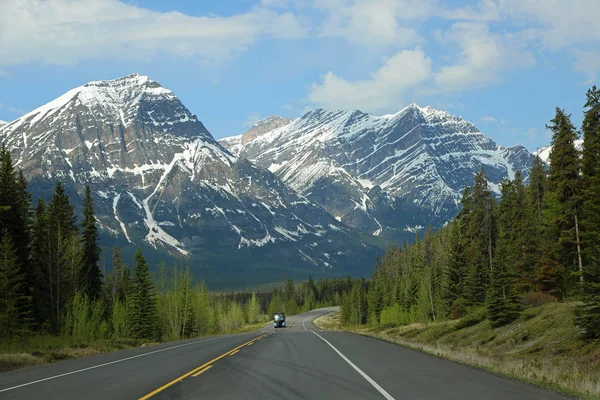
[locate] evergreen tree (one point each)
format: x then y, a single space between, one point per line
532 227
43 296
90 277
588 315
15 306
565 166
453 294
56 258
118 289
15 212
144 310
481 238
375 298
503 302
550 274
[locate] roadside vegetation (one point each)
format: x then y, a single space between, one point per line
56 304
542 347
511 285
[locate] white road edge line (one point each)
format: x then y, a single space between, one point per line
103 365
303 323
367 377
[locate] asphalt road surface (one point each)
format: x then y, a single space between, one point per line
297 362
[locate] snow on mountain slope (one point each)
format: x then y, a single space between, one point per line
416 161
2 123
544 152
159 176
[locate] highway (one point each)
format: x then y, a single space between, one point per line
297 362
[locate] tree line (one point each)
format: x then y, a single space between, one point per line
51 281
540 241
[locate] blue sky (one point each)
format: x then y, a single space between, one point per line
502 64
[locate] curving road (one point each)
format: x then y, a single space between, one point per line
298 362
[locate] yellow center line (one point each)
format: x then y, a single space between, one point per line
250 344
202 370
235 352
174 381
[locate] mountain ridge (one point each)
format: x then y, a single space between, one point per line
160 178
418 159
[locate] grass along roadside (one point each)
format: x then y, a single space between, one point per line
542 347
44 349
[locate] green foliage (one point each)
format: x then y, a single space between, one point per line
473 317
143 315
84 320
253 310
588 314
90 277
565 183
503 302
15 307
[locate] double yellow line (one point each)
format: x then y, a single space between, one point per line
204 367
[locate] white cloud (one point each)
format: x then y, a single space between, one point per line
385 90
489 119
587 62
66 31
560 23
482 58
374 22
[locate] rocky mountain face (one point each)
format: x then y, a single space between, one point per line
385 175
160 178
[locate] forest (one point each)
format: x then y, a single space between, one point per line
51 282
538 243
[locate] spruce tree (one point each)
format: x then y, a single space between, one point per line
481 237
144 309
15 212
453 292
535 193
564 181
90 277
503 303
43 295
588 315
118 290
59 255
15 306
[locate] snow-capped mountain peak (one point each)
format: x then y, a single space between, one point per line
159 177
366 170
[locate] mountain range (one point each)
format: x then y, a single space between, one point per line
384 175
320 194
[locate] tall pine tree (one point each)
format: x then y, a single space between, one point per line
503 303
144 309
481 236
15 306
564 181
90 277
532 227
15 212
588 315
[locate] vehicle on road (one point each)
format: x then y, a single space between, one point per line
279 320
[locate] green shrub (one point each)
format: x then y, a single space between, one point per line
473 317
